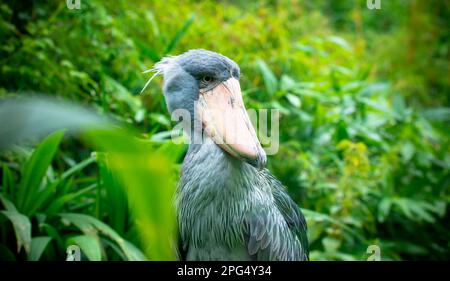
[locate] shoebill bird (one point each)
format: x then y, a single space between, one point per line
229 207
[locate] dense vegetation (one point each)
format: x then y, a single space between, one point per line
363 96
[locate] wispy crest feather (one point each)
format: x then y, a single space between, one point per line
159 68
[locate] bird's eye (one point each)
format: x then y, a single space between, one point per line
207 79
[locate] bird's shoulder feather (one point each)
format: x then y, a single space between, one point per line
279 234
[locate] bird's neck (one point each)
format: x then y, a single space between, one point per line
210 162
216 185
208 168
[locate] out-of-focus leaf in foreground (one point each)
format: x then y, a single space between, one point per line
144 173
35 117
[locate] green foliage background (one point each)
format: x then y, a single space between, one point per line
363 96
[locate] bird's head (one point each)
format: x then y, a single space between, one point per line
206 84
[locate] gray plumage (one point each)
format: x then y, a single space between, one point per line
227 209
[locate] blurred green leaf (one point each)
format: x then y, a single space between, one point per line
89 245
438 114
38 245
22 229
270 80
91 226
180 33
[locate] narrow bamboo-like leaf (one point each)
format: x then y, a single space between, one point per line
43 197
147 51
8 182
78 167
53 233
404 207
116 198
57 204
35 168
154 24
180 33
269 78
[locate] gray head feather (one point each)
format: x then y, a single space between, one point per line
197 63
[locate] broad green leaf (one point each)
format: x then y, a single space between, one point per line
420 210
9 206
160 119
407 150
6 254
341 42
331 244
404 207
326 185
22 229
81 221
89 245
36 117
38 245
437 113
320 217
133 161
294 100
374 88
144 207
399 107
91 226
384 208
307 49
410 248
132 252
288 83
171 150
310 93
53 233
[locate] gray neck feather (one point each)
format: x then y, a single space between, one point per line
215 192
